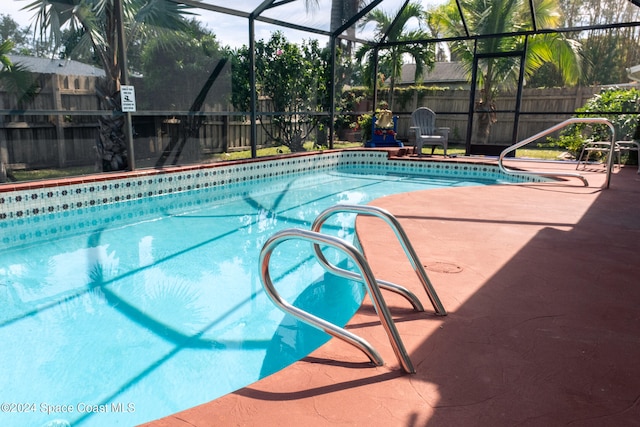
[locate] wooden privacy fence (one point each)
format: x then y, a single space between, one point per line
47 145
221 133
59 128
540 109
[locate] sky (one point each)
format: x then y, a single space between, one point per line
233 31
230 30
12 8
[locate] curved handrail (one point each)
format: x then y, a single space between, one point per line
552 129
328 327
400 234
389 286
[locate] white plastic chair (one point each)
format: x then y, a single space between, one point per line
604 147
601 147
424 126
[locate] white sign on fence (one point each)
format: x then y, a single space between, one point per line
128 99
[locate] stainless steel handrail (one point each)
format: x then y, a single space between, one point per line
402 238
573 120
328 327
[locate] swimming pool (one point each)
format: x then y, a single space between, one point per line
128 300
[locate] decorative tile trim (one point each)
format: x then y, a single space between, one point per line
79 206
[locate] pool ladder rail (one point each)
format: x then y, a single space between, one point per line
366 275
554 128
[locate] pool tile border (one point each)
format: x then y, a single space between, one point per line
29 200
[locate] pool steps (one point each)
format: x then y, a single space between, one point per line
316 236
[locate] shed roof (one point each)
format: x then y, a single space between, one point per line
56 66
442 73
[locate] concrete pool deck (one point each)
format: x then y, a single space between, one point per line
542 287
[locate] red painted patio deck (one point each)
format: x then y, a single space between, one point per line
542 287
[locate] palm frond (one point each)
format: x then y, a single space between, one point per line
20 81
160 13
501 17
5 49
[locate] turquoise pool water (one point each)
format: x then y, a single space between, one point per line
135 310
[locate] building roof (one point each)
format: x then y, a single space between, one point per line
56 66
446 73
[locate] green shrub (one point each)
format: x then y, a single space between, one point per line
624 106
620 106
572 143
365 122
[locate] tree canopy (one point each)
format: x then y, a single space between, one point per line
291 81
500 19
390 59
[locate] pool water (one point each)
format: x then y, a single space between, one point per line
137 319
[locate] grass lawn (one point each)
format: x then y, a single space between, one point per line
273 151
529 153
32 175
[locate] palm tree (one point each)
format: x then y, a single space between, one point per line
97 21
17 80
5 71
341 11
502 17
391 58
